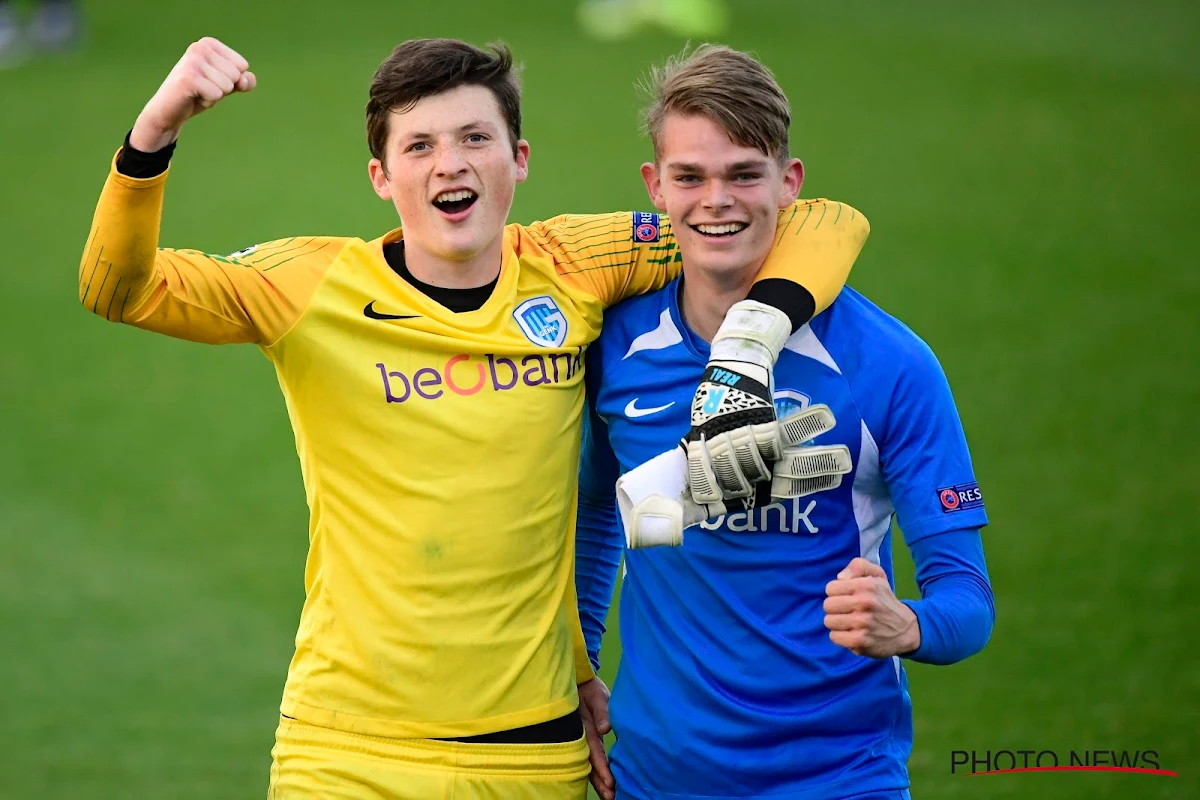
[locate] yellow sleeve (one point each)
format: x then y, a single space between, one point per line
610 256
816 244
253 296
615 256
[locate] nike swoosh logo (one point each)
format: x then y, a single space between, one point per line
632 411
370 313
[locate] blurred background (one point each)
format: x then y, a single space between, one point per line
1029 169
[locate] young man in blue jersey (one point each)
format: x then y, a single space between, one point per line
762 657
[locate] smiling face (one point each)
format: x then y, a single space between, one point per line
451 170
723 197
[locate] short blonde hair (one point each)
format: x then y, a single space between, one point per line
729 87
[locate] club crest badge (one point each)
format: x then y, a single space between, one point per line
542 322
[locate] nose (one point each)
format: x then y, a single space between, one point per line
450 162
717 197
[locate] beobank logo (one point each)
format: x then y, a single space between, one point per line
470 375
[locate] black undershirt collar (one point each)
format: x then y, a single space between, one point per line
456 300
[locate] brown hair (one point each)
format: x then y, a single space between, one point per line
420 68
731 88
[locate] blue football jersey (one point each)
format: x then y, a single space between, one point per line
729 685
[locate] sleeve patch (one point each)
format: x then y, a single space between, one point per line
245 252
961 497
645 227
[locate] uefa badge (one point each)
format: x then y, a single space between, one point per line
542 322
645 227
960 498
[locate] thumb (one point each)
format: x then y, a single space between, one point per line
245 82
861 568
600 716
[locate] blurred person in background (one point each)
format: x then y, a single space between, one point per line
621 19
53 26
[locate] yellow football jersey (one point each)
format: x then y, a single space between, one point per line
439 450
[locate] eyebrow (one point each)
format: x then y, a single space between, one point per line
474 125
738 166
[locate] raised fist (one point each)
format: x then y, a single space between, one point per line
209 71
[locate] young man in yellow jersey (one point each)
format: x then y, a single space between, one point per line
433 377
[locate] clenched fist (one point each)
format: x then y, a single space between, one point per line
209 71
864 615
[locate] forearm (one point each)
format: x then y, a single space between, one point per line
816 245
598 548
957 610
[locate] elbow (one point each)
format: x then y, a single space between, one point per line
93 282
104 287
980 624
988 617
957 626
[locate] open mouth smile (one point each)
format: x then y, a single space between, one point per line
725 230
455 203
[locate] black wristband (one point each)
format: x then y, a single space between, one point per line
137 164
790 298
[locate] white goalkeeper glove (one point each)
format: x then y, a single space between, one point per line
656 504
735 437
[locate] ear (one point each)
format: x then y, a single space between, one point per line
653 183
379 178
793 179
522 160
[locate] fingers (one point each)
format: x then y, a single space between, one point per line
814 461
600 720
846 622
855 641
850 586
206 92
219 75
593 709
861 568
841 604
807 470
806 424
855 609
601 778
226 52
216 67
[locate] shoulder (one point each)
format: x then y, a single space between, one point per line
310 250
573 232
868 339
886 366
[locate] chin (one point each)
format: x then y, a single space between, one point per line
723 261
460 244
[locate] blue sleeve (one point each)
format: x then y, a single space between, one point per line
599 542
957 609
923 453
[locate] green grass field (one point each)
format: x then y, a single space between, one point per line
1027 171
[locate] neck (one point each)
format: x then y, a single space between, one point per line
707 298
477 270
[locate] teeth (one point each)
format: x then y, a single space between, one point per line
714 230
450 197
